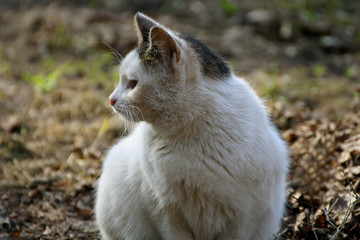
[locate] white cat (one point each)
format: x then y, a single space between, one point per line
205 162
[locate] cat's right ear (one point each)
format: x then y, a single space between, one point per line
163 41
143 25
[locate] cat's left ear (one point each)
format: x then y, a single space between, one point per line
164 43
143 25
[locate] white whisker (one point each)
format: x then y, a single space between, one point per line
125 122
142 116
133 115
114 51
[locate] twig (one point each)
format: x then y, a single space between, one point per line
327 216
333 205
278 236
348 211
312 224
351 186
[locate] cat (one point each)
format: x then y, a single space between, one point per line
204 160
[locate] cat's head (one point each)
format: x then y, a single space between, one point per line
158 77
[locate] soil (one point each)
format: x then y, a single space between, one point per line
56 125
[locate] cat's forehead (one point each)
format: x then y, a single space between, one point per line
130 64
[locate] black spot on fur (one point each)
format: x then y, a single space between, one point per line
211 64
152 60
141 49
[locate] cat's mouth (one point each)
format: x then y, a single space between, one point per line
129 112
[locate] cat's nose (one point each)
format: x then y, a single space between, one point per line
112 101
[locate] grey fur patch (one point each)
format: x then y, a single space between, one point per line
211 64
152 60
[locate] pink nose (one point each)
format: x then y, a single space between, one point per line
112 102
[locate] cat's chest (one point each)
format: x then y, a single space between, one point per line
191 191
172 166
168 161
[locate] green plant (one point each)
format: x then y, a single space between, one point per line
319 70
4 68
61 38
272 89
228 7
47 63
96 3
2 94
43 82
350 72
336 12
98 69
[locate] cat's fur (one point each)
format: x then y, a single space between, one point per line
205 162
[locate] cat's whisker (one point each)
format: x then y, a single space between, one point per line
114 51
115 60
125 122
130 112
125 127
136 117
115 113
128 116
142 116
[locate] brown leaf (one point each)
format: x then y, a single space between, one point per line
320 219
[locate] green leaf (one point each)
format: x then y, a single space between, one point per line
319 70
229 7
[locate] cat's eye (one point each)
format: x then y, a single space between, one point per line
131 84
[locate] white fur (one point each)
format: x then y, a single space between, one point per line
210 165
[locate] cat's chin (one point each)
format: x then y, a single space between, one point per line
132 116
129 118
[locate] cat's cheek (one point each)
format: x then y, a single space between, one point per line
141 111
137 99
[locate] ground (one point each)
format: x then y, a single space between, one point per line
57 70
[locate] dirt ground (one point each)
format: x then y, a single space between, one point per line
56 125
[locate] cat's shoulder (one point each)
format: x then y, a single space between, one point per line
127 147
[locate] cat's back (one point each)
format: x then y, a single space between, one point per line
237 121
234 104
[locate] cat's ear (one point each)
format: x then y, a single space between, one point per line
164 43
143 25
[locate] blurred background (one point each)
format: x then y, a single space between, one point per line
58 67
